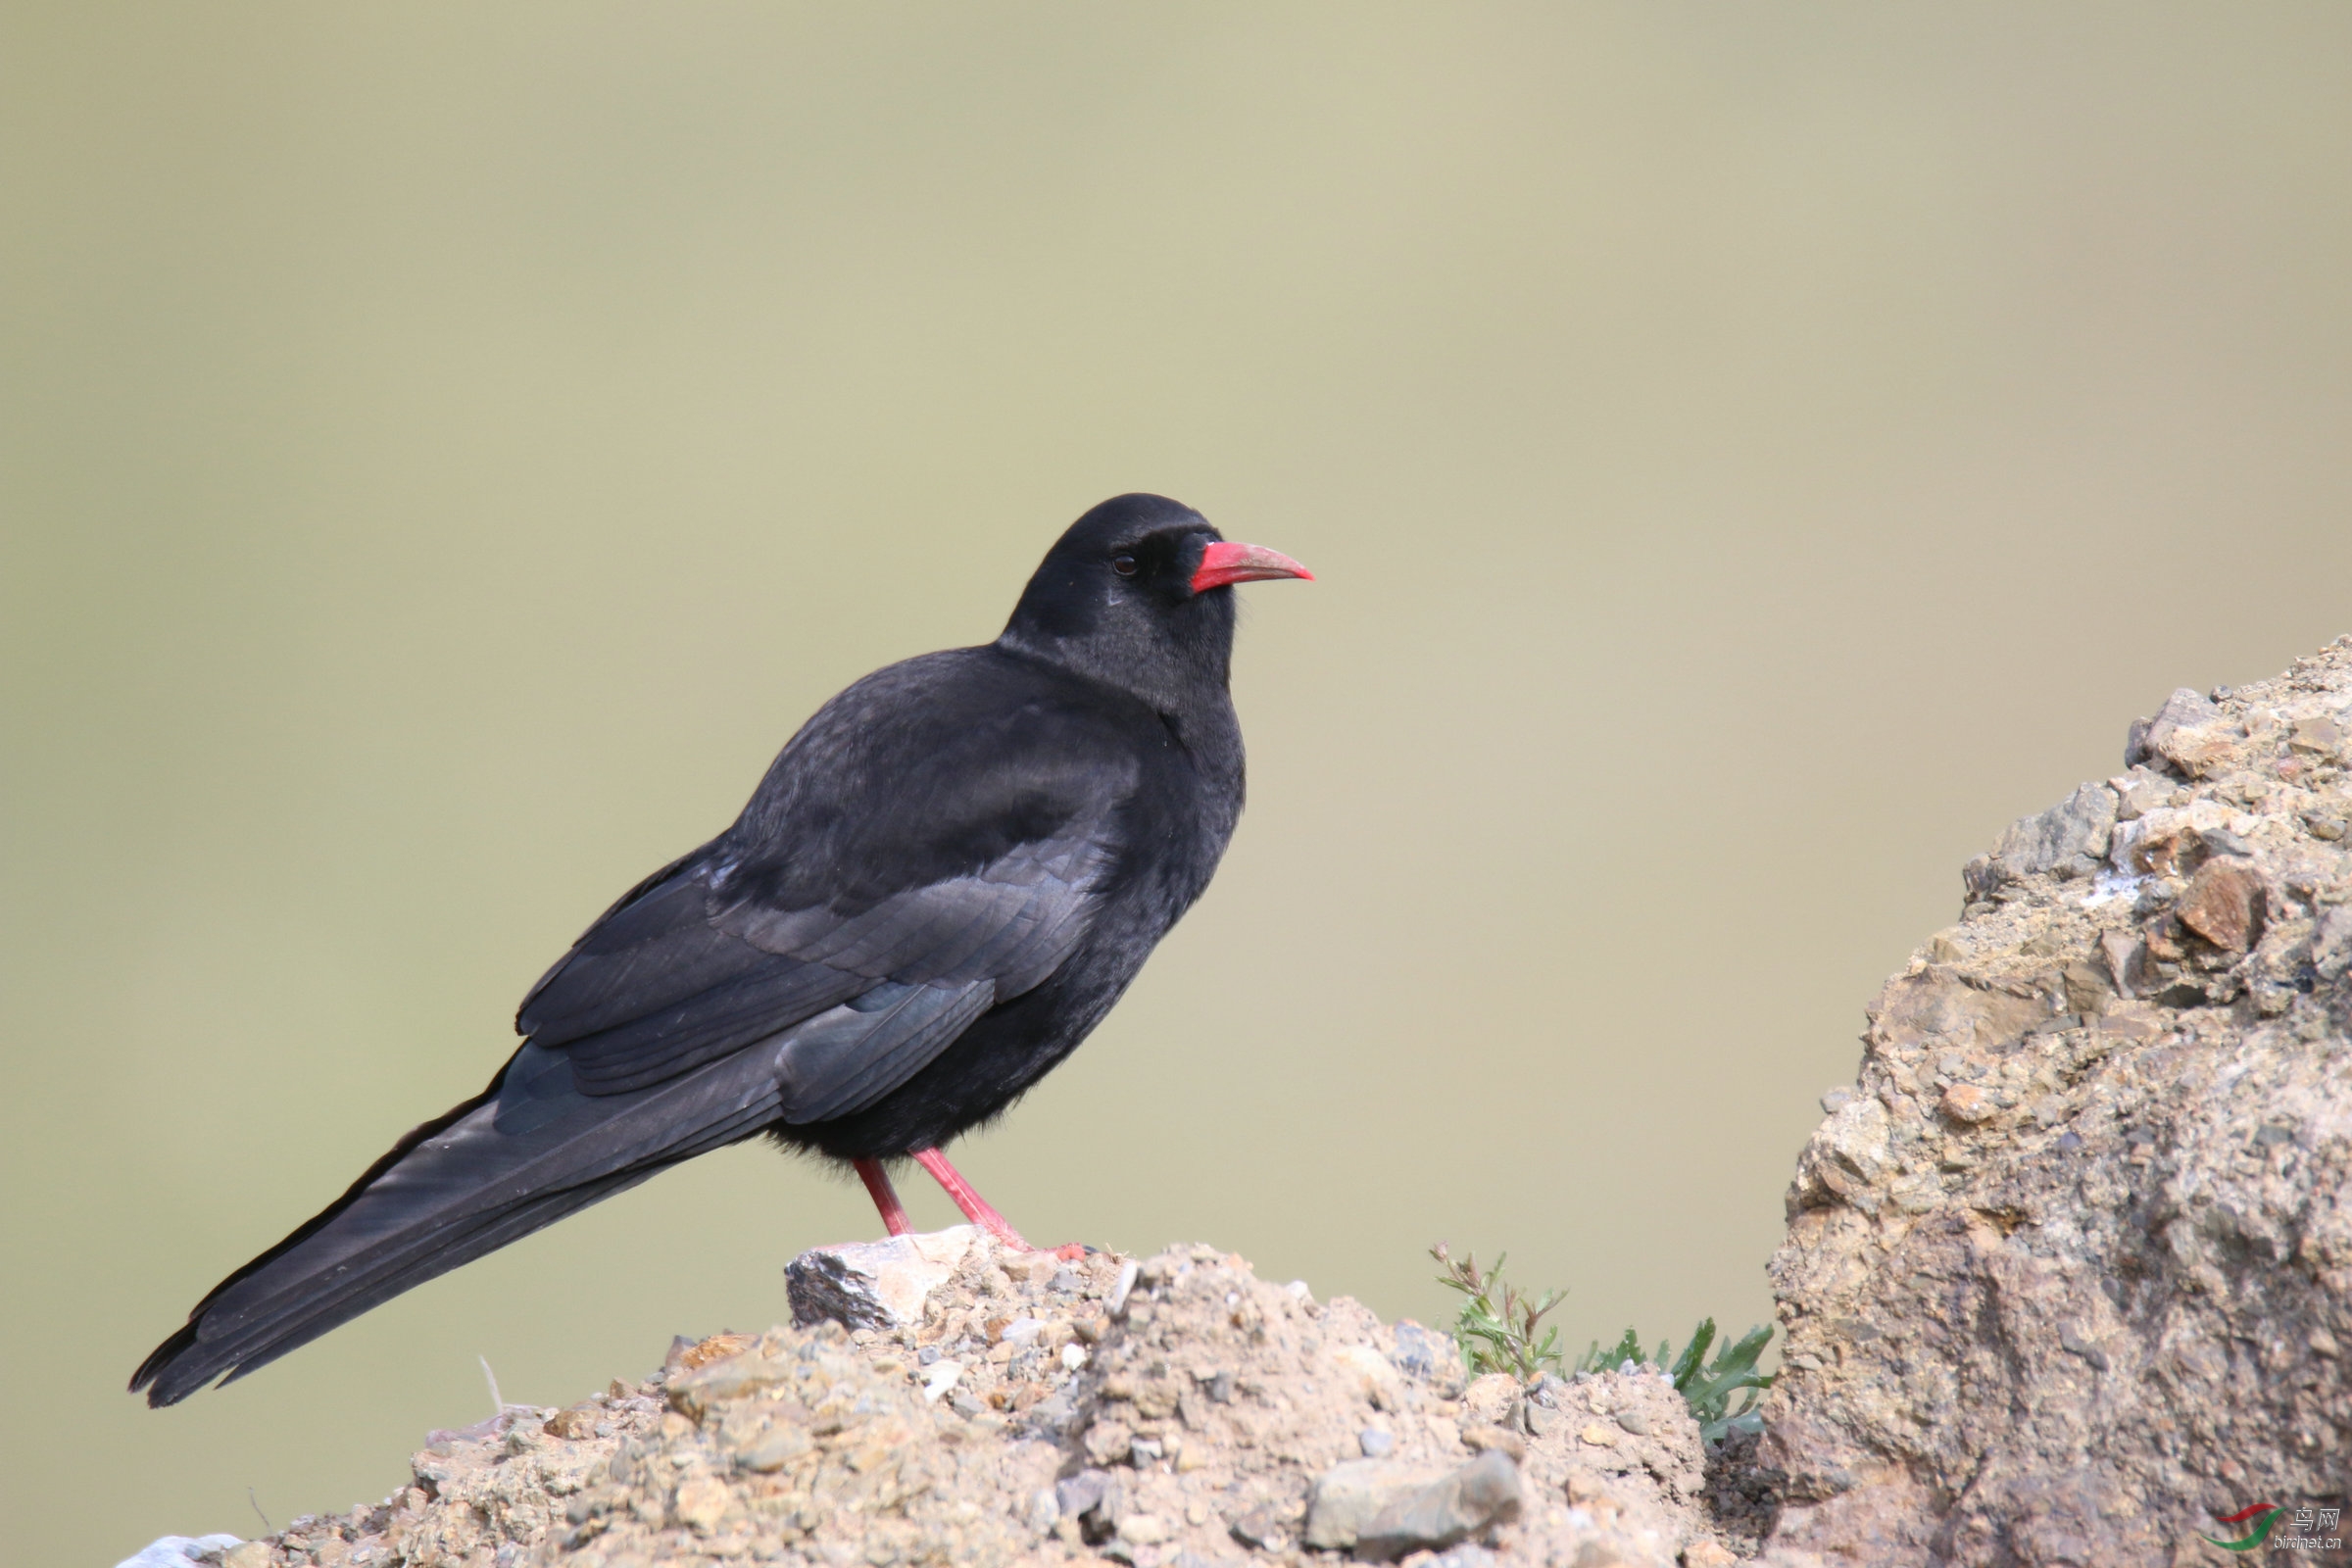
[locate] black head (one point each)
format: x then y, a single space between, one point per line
1138 593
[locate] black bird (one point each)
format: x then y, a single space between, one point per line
945 881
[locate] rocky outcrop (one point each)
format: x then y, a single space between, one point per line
2068 1275
996 1407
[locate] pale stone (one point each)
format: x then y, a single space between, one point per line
701 1501
876 1285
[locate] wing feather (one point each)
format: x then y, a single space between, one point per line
766 935
845 1059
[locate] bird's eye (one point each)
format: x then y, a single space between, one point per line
1124 566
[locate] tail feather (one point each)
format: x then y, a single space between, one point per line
529 1150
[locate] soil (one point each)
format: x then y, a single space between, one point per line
1024 1420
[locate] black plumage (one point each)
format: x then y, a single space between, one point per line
944 882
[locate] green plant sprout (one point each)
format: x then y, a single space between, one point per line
1706 1387
1497 1325
1497 1332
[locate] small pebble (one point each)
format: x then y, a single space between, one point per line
1081 1493
1469 1554
941 1378
1376 1444
1073 1356
1143 1530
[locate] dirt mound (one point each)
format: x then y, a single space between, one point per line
998 1407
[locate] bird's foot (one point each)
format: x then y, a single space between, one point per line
976 1209
1069 1253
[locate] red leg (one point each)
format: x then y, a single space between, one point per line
886 1197
975 1207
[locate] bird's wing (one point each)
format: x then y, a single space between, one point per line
871 937
655 989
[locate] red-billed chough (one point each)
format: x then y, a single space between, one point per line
942 885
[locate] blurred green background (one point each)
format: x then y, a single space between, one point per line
1750 454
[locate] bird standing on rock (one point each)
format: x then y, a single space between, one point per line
945 881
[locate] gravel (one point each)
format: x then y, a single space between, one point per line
1194 1427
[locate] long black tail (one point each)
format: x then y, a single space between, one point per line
523 1153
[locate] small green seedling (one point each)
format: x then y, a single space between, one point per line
1596 1359
1497 1327
1707 1389
1497 1332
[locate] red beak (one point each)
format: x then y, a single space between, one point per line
1225 562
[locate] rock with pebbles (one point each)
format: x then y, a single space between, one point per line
875 1284
1171 1411
2070 1276
2069 839
2157 739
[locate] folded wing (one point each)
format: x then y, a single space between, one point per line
955 839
